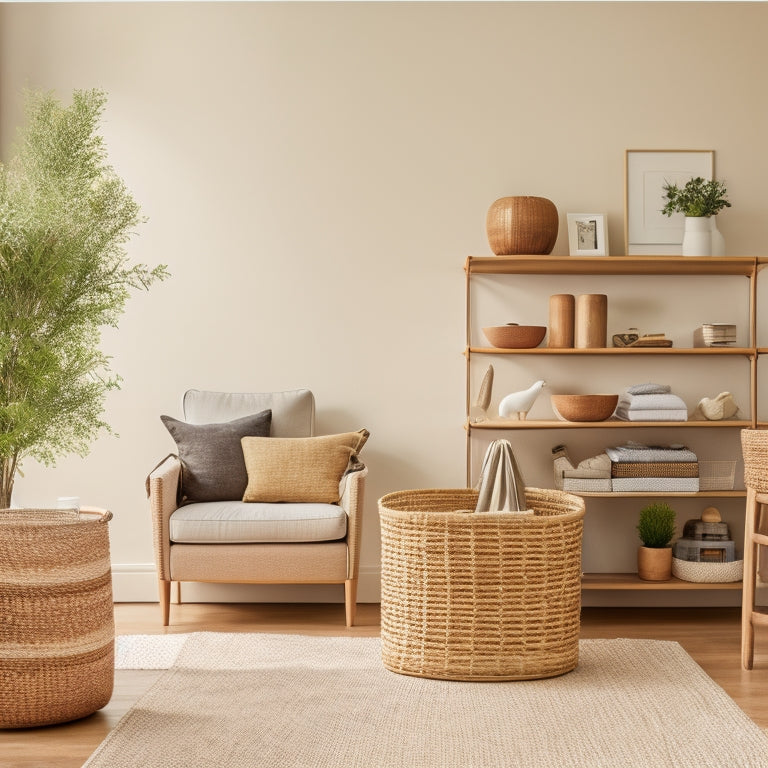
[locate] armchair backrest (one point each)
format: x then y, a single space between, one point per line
293 411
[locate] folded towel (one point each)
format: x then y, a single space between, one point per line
655 484
655 402
632 451
587 484
660 415
649 389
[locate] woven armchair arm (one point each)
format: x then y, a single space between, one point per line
162 488
352 503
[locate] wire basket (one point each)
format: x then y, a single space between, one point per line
480 596
716 475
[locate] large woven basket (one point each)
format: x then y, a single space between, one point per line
489 596
754 446
56 616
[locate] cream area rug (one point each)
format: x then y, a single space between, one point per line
287 701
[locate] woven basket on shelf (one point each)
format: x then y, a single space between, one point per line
708 573
754 445
489 596
56 616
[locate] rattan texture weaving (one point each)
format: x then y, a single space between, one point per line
754 446
489 596
57 625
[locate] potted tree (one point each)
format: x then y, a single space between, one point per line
656 527
699 201
65 217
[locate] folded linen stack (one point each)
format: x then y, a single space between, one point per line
642 468
651 402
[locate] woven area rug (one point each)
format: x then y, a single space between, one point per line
287 701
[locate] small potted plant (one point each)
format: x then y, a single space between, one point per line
656 527
699 201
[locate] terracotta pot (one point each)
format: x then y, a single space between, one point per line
522 225
654 563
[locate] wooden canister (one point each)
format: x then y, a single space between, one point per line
561 309
591 321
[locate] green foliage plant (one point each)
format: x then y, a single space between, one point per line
65 217
656 525
697 197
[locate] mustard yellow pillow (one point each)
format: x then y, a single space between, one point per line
298 469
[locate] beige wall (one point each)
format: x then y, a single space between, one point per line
315 174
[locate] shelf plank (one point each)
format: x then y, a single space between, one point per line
611 265
736 494
705 351
631 581
498 423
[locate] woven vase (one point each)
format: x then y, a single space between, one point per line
56 616
522 225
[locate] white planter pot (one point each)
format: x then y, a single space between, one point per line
718 241
697 237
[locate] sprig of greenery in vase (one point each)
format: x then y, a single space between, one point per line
65 217
698 197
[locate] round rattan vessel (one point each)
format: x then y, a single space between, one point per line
480 596
57 627
522 225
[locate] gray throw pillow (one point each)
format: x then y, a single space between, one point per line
212 463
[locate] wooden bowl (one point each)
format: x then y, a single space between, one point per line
584 407
515 336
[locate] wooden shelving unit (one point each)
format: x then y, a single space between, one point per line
745 266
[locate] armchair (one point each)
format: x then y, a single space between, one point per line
291 530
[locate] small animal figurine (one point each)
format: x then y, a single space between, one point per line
519 403
716 408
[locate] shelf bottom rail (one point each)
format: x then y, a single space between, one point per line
631 581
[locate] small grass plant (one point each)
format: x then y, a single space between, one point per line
656 525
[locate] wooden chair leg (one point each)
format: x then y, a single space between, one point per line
350 600
748 588
165 600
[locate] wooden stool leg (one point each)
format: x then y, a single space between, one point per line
748 588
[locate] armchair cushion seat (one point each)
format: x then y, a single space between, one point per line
237 522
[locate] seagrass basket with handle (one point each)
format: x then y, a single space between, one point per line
57 628
480 596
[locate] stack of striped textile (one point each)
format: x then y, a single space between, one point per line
651 402
649 468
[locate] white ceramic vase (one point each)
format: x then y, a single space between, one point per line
697 237
718 241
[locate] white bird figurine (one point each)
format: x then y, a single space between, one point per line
716 408
519 403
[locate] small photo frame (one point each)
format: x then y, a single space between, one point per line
587 234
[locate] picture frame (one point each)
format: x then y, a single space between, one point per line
647 231
587 234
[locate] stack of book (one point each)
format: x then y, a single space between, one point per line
650 468
714 335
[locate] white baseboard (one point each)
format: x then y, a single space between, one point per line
137 583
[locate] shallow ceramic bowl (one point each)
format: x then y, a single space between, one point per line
515 336
584 407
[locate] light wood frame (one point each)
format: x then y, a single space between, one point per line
647 231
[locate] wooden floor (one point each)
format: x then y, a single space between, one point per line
710 635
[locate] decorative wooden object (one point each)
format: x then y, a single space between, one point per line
515 336
585 407
522 225
561 318
591 326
